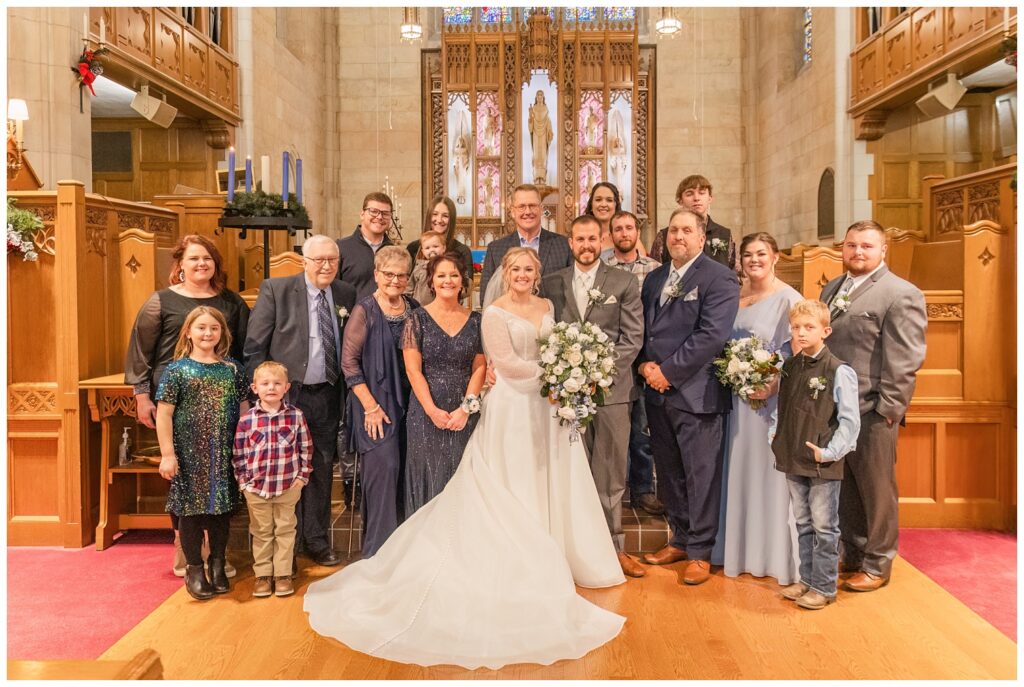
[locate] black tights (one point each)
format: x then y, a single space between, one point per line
191 528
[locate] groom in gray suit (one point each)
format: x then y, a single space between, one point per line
609 298
878 328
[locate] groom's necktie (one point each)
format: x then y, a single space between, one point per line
673 281
327 340
580 290
844 290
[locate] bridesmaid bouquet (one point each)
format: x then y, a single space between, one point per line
746 366
577 362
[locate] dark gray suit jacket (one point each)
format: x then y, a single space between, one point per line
279 324
554 254
881 335
622 319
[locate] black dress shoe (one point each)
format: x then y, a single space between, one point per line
326 557
196 583
218 578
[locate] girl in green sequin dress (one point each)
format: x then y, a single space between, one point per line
198 408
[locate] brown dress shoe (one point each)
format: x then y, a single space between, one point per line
794 591
865 582
283 585
814 601
697 572
630 567
665 555
262 587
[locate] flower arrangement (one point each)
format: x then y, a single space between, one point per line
1009 46
841 302
342 312
747 365
717 246
22 225
577 363
261 204
817 385
87 69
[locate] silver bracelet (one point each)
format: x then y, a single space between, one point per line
471 404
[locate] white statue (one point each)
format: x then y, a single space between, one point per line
541 135
460 159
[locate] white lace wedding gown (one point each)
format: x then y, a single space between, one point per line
483 574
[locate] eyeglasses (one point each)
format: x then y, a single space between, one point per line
525 208
320 262
393 276
386 215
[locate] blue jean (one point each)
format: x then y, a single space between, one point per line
816 510
641 460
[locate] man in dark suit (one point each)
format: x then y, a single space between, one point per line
609 298
694 194
358 249
690 305
527 212
299 322
878 328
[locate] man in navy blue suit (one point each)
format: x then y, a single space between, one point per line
690 305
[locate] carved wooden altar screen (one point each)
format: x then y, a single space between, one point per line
553 96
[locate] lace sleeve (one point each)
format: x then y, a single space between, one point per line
501 352
356 330
412 334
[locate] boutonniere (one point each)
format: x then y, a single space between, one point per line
817 385
717 245
675 291
595 297
841 303
342 312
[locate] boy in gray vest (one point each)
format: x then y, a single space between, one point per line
815 425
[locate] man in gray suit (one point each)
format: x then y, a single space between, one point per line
591 291
878 328
299 322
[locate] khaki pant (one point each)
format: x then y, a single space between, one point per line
272 526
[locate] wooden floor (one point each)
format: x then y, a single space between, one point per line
724 629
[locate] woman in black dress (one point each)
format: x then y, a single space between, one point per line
440 217
445 363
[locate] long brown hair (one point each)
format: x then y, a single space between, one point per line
184 347
218 281
449 232
762 236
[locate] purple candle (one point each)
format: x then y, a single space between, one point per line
231 174
284 178
248 174
298 180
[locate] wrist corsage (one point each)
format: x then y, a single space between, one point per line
471 404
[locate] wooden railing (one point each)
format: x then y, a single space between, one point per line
951 204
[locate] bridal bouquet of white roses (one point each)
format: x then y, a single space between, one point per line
577 363
747 365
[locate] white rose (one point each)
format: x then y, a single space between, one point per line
577 373
762 356
552 379
567 413
601 336
607 364
576 347
591 356
745 366
596 376
552 338
572 334
559 369
604 383
548 358
574 358
733 367
572 385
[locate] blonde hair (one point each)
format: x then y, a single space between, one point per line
184 347
426 236
511 256
270 367
811 308
389 254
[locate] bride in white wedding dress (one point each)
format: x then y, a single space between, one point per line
483 575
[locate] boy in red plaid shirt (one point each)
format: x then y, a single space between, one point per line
272 453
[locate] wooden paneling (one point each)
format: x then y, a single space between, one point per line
36 465
869 76
915 468
926 27
133 29
963 24
898 51
222 79
972 461
167 57
196 71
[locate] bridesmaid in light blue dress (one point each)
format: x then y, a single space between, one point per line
756 530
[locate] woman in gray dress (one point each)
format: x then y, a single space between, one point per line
756 531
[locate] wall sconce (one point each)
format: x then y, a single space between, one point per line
17 113
668 25
411 29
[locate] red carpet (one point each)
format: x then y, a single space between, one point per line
978 568
75 603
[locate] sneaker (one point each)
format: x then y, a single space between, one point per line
283 585
814 601
263 587
794 591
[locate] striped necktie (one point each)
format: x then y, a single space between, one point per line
330 346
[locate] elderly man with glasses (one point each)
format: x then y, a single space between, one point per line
358 249
527 213
299 321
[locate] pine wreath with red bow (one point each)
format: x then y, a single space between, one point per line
87 69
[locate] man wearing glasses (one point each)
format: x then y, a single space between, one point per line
299 322
527 213
357 250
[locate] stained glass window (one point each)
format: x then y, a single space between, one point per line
492 15
458 15
580 14
620 13
807 35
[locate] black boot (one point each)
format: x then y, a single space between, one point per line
196 584
218 578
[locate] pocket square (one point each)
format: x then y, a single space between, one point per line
611 300
691 296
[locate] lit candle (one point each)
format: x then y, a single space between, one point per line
231 171
85 24
103 31
284 177
298 180
248 173
265 173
